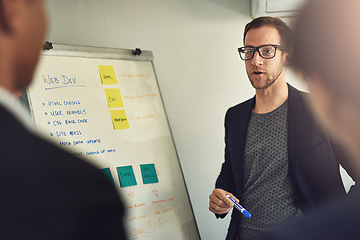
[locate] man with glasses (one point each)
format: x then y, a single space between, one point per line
278 164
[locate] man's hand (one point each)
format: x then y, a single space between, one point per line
219 203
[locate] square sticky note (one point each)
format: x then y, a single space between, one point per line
119 119
113 97
108 174
107 75
126 176
148 173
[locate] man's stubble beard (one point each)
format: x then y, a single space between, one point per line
269 81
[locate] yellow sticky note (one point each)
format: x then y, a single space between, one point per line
113 97
119 119
107 75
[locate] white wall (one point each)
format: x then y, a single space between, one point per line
194 43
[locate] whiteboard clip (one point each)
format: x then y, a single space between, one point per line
47 46
137 51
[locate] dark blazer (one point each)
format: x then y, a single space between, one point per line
47 193
313 162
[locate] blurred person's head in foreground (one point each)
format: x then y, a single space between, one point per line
326 54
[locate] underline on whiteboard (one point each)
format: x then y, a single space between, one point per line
65 87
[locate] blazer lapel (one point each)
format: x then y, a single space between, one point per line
238 142
295 111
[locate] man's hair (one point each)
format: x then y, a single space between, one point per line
283 29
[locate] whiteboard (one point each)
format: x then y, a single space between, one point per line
104 105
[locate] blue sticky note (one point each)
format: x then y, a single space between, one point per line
126 176
148 172
108 174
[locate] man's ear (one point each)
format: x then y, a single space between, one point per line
287 55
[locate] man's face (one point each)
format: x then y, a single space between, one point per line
30 40
264 72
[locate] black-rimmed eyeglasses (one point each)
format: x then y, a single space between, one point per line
267 51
